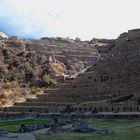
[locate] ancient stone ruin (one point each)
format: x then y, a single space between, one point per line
110 85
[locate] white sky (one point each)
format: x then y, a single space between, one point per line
69 18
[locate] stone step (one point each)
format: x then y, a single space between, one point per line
76 94
43 104
51 99
51 90
89 73
37 109
13 115
57 95
78 84
93 98
66 90
81 80
74 98
71 90
63 85
60 98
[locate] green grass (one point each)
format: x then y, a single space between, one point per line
13 126
122 130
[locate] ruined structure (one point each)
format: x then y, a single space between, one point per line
110 85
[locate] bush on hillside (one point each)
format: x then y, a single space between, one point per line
10 84
47 79
36 90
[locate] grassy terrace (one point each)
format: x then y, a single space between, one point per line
122 130
13 126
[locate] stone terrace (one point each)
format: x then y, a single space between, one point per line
111 85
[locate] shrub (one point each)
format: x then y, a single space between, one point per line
5 53
47 79
16 63
29 73
36 90
11 84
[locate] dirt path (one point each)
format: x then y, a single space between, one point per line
18 136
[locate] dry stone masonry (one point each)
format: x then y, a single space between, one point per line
110 85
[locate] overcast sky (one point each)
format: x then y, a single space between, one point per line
69 18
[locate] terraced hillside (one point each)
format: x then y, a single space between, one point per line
31 64
20 55
110 85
